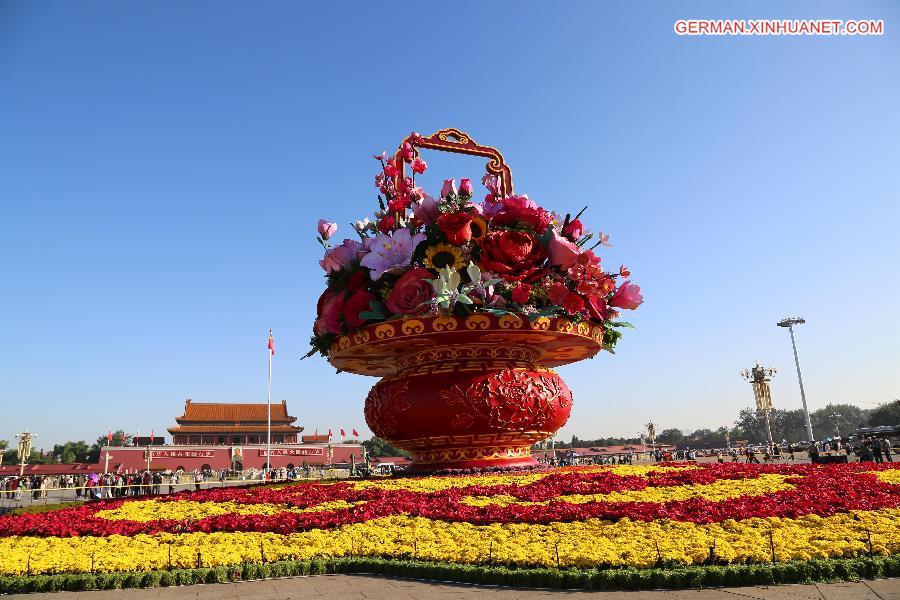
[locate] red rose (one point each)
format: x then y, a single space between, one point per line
357 281
456 226
520 209
513 255
356 304
573 230
520 293
411 293
331 308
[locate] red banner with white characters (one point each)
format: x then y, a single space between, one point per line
183 453
294 452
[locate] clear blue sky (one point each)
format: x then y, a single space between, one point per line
163 166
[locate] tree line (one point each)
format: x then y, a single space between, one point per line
790 425
787 425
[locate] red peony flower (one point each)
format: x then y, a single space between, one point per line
521 293
520 209
411 293
354 305
457 227
513 255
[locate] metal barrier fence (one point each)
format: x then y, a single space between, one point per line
21 497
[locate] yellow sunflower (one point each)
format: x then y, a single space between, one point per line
443 255
479 229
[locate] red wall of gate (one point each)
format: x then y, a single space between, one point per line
192 458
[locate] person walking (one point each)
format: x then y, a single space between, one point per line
886 449
751 455
876 450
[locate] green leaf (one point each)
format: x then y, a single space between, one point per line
621 324
375 314
464 299
474 272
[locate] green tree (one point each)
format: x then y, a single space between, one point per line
834 418
379 447
670 436
886 414
73 452
117 439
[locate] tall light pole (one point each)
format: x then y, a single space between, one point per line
24 449
759 377
651 433
789 322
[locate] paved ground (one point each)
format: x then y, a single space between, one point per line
362 587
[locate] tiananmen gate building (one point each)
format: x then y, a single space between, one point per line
217 435
209 423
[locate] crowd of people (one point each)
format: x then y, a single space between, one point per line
96 486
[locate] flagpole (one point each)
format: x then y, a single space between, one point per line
269 410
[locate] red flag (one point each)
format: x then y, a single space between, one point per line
355 433
342 432
108 437
271 343
151 437
329 433
123 438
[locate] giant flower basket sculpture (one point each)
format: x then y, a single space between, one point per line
463 308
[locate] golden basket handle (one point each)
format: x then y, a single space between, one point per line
454 140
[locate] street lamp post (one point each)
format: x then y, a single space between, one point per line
789 322
24 450
651 434
759 377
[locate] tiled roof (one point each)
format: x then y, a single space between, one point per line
214 429
220 411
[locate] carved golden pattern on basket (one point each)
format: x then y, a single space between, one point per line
469 440
477 453
382 344
467 352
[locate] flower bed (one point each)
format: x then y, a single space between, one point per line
584 517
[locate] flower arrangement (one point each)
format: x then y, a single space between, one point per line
624 516
452 255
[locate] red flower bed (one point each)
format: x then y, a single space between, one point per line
822 490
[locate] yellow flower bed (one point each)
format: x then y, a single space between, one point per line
891 476
179 510
588 543
722 489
